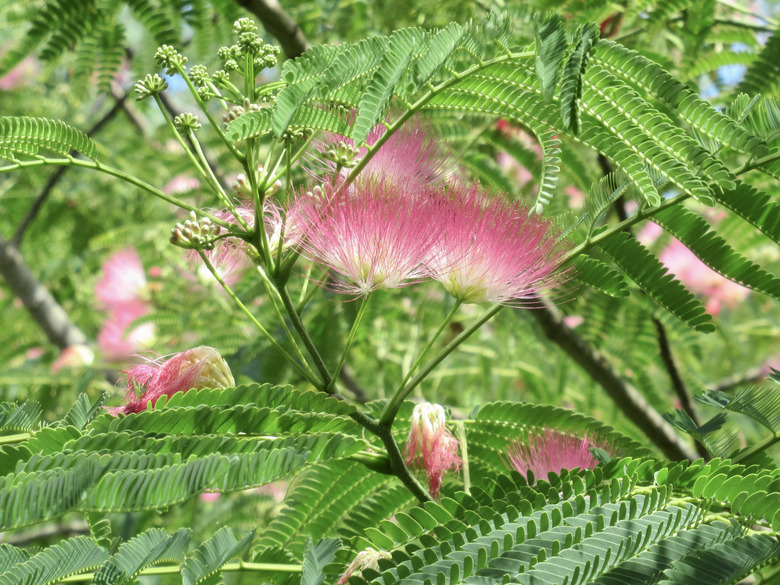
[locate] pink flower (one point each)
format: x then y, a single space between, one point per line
489 249
365 559
551 452
209 496
123 279
701 279
430 445
116 341
21 75
200 367
410 155
73 356
373 235
181 184
649 233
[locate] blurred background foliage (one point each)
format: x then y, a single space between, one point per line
87 217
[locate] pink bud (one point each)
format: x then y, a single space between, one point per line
430 445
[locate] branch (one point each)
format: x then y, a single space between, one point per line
46 311
627 398
280 24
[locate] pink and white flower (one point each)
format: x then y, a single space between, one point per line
491 250
430 446
197 368
123 280
550 452
373 235
365 559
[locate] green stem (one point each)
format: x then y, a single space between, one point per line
238 567
204 108
374 461
96 166
179 137
398 466
464 453
17 438
216 185
391 408
750 165
274 295
432 340
757 448
303 333
415 107
292 160
254 320
350 339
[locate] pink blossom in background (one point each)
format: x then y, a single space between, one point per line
34 353
209 496
365 559
73 356
430 446
550 452
701 279
116 341
121 290
514 169
21 75
374 235
181 184
649 233
197 368
490 250
411 155
123 279
573 321
277 490
576 196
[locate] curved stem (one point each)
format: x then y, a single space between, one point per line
254 320
398 466
757 448
431 341
350 339
391 408
303 333
96 166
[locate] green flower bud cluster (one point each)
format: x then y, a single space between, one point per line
249 43
149 85
194 234
238 111
168 57
186 123
342 154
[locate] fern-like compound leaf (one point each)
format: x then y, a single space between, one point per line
203 566
26 136
571 83
150 547
763 74
600 276
55 563
651 276
315 557
550 38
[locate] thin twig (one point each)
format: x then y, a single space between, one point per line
623 394
683 395
742 379
280 24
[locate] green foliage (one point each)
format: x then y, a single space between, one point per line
27 135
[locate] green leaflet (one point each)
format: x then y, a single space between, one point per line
56 562
551 48
15 418
380 89
315 558
754 206
152 546
761 76
651 276
203 566
693 231
26 136
635 68
571 85
598 275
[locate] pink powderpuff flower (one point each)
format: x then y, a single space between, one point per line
410 155
365 559
123 280
701 279
73 356
373 235
181 184
209 496
116 341
430 445
197 368
550 452
491 250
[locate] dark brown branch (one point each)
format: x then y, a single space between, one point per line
16 240
278 23
627 398
38 301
